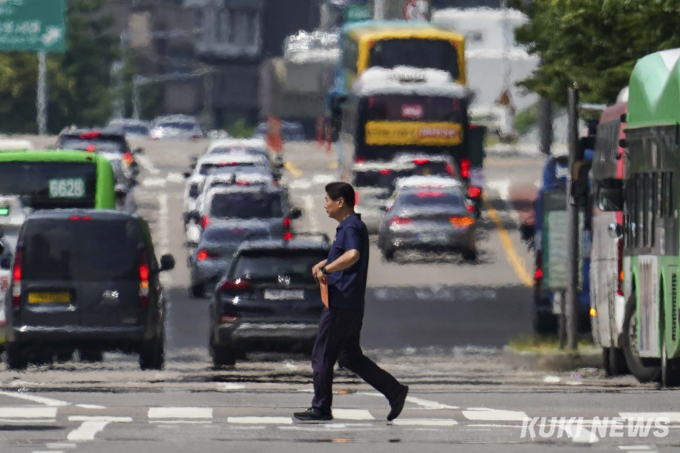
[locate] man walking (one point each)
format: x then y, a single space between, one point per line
346 271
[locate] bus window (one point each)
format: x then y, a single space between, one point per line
419 53
350 53
651 207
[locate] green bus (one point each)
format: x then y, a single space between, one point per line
32 180
649 195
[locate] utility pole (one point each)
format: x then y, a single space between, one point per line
42 93
573 209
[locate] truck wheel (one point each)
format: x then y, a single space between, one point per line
17 358
641 372
152 354
670 371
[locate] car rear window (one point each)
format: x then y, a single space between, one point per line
268 265
83 250
100 144
50 184
206 168
246 205
182 125
431 198
378 178
230 234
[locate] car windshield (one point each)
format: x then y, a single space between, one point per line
419 53
431 198
99 145
268 265
93 250
182 125
229 150
50 184
246 205
135 129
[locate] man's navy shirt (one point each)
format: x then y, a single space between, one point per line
346 289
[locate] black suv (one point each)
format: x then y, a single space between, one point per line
85 280
268 299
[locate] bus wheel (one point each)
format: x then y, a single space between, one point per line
641 372
670 371
613 362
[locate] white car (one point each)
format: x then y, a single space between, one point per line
16 145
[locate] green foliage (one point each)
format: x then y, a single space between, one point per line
239 129
526 119
79 81
594 43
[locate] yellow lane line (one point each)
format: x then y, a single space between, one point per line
293 169
514 259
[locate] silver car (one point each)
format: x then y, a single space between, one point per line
428 218
177 127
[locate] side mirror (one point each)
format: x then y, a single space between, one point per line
579 182
526 232
6 263
167 263
121 191
615 231
610 195
193 166
138 151
295 213
186 174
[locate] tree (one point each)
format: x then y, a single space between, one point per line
79 80
594 43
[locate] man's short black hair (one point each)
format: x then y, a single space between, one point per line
337 190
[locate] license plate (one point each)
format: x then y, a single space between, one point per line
433 237
283 294
49 298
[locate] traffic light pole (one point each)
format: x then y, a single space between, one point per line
42 93
572 228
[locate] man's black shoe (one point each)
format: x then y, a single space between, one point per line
313 415
398 404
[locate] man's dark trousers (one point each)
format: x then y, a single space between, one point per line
338 340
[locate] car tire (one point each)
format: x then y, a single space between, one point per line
17 358
388 254
91 356
544 323
197 291
152 354
469 255
641 372
223 355
606 364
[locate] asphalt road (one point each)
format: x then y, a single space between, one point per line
435 322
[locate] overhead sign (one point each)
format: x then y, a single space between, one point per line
357 13
33 25
417 10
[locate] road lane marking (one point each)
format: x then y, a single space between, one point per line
300 184
494 415
551 380
260 420
225 386
67 446
293 169
180 412
90 406
175 177
635 447
579 435
323 179
147 164
425 422
36 399
154 182
513 258
99 418
28 412
425 404
311 213
352 414
87 431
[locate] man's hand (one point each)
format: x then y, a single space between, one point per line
317 269
319 276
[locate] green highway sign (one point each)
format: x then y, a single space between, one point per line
33 25
356 13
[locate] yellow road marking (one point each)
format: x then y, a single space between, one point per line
333 165
514 259
293 169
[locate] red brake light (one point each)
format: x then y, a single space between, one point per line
469 207
465 168
143 280
91 148
461 222
228 319
621 275
202 255
236 286
474 192
205 222
357 197
360 160
90 135
76 217
538 275
371 102
386 171
287 236
242 183
400 221
421 161
449 169
16 279
127 157
429 194
286 222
